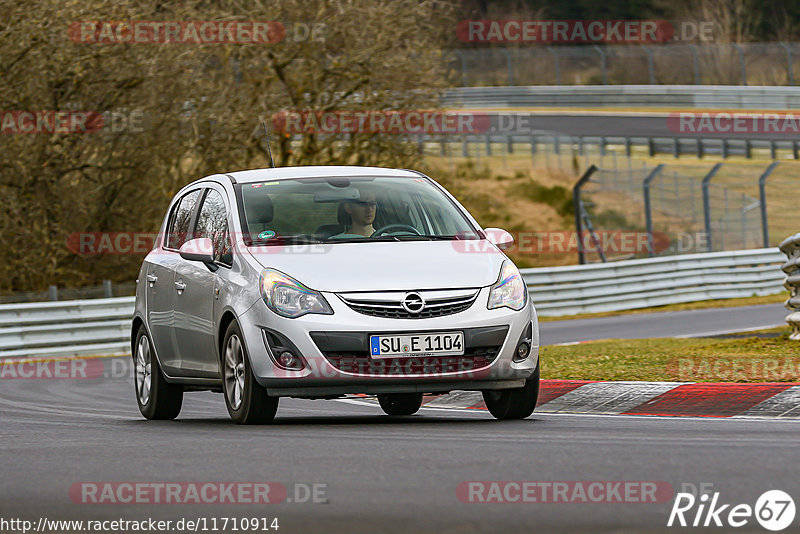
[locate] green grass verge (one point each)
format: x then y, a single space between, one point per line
745 359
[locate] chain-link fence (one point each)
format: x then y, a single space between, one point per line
688 209
667 64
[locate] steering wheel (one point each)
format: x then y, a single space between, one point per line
389 227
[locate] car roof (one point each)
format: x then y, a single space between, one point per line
318 171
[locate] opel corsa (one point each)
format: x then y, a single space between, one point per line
326 282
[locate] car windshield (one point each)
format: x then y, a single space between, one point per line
342 210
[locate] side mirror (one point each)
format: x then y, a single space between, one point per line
201 249
499 237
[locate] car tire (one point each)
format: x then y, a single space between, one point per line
514 403
157 398
247 402
400 403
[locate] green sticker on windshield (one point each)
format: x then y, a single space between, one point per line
266 234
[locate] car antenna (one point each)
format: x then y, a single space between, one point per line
269 149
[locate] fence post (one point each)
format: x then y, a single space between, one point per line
648 214
576 201
510 66
463 68
789 59
107 289
741 63
52 293
602 63
555 64
650 67
707 204
695 64
762 194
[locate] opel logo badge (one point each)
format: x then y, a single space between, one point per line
413 302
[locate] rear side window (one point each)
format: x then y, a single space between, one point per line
212 222
178 229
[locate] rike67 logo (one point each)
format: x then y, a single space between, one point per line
774 510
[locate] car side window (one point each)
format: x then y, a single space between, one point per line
178 228
212 222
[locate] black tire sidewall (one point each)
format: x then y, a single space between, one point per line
400 403
166 399
514 403
256 407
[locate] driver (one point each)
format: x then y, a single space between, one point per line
362 214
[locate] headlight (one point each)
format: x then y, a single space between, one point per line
510 290
287 297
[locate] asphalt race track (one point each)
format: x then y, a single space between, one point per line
688 323
379 474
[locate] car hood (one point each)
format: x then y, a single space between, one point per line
386 265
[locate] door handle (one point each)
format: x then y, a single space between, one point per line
180 286
152 279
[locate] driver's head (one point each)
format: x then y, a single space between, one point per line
362 211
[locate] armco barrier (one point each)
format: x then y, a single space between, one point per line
102 326
791 247
71 327
625 96
627 285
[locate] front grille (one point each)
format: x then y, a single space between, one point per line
360 362
392 309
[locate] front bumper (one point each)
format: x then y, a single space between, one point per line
334 365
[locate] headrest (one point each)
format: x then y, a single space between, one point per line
343 216
258 209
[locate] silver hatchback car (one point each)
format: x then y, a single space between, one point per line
323 282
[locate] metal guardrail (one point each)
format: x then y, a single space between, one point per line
631 284
791 247
468 145
97 326
102 326
625 96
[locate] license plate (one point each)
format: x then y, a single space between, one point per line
417 345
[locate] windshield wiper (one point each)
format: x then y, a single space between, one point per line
430 237
366 239
288 240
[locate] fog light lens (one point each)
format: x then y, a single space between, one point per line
523 349
289 361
